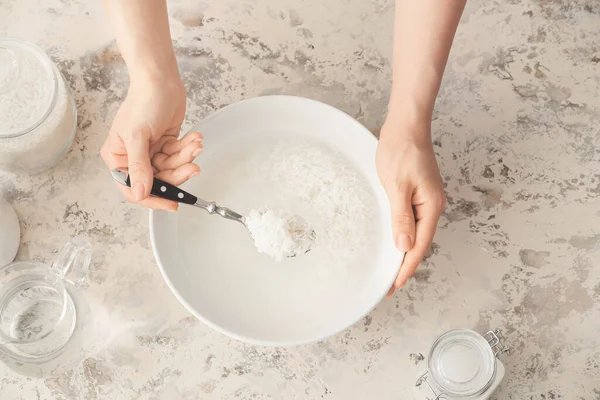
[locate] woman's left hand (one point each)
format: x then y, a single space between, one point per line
410 175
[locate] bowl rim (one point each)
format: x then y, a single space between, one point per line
243 338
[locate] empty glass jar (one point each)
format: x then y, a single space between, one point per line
462 365
38 118
40 309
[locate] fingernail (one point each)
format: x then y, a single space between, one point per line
196 152
193 174
400 284
199 140
138 191
403 243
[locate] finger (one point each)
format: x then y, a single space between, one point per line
175 146
179 175
113 153
157 146
116 161
159 160
163 162
403 218
139 167
425 230
391 291
174 132
154 203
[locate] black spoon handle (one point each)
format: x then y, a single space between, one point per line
160 189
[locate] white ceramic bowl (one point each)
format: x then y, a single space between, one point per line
255 302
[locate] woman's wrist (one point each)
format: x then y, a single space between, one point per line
165 74
408 119
154 68
144 39
413 104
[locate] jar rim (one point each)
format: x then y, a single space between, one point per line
51 78
461 364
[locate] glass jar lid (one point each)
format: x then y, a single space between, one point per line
28 86
461 363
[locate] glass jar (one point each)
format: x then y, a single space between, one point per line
38 118
462 364
42 312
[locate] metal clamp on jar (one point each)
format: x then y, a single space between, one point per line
462 364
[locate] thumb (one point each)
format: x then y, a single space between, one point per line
140 169
403 218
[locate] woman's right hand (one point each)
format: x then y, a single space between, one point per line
144 140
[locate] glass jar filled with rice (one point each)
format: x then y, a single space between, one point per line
38 118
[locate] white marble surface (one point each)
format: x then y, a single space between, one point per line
516 132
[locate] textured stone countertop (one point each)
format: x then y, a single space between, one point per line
517 135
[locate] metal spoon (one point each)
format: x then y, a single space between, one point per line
167 191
